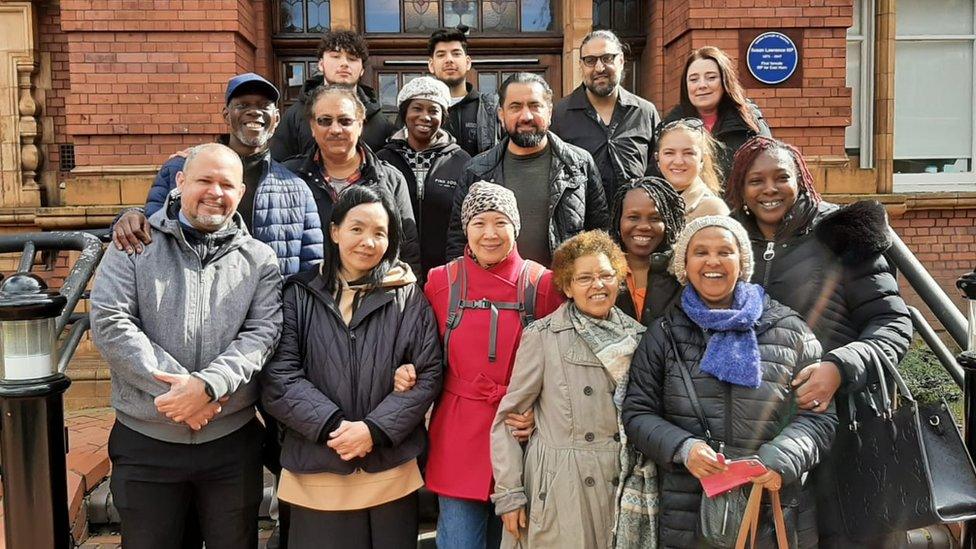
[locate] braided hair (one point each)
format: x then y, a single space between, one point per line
669 205
747 154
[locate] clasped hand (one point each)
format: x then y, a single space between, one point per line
186 401
351 440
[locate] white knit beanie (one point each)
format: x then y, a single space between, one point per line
425 87
746 263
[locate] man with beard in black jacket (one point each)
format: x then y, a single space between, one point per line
342 57
471 118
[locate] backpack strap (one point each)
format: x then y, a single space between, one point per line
457 282
528 288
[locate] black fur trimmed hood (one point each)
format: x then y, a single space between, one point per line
855 232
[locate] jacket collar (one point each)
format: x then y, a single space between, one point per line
166 221
441 141
506 269
373 300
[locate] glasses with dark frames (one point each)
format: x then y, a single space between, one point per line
606 59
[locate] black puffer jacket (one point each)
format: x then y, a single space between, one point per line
324 370
432 206
576 199
658 415
731 131
374 172
826 263
294 136
663 289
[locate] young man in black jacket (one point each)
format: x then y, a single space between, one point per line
342 58
471 118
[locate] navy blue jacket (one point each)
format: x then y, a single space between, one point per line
285 216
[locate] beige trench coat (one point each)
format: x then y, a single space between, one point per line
569 471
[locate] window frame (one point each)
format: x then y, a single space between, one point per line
276 22
936 182
865 94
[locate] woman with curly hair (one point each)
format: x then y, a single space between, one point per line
827 264
571 368
647 216
711 91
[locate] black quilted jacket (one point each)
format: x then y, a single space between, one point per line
576 199
323 371
658 415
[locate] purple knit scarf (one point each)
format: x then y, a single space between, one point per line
732 353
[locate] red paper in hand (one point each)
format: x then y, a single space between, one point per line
740 471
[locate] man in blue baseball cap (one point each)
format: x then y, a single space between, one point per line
271 192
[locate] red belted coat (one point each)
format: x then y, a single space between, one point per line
459 462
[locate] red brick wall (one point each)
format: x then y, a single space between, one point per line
53 42
149 77
812 117
945 242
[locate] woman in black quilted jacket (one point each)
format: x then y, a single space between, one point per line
349 456
826 263
740 352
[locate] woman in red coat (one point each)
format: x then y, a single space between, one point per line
490 280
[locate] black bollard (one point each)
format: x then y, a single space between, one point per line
967 360
32 438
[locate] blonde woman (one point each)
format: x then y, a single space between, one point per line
686 158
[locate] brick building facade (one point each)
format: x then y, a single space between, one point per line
95 99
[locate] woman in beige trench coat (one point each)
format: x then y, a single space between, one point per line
561 491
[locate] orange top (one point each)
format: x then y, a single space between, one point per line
636 294
360 490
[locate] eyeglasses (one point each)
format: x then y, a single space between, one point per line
606 59
326 121
691 123
587 280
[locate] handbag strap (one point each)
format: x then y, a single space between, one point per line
689 384
750 520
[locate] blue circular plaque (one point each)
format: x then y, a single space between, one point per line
772 58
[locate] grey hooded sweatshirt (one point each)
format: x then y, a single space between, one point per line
167 309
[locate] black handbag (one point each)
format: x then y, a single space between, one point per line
903 464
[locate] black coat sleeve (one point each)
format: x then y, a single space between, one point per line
801 445
597 212
643 408
455 233
286 393
876 312
651 167
410 246
397 415
287 139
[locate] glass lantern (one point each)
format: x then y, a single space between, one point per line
28 317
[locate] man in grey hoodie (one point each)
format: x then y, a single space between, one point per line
185 327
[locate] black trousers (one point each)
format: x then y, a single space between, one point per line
155 483
393 525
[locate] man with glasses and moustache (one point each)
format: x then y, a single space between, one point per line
612 124
541 169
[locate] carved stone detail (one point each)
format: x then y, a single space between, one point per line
28 126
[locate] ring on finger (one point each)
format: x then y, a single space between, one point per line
816 403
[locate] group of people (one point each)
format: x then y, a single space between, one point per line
600 307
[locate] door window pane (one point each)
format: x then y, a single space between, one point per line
382 15
420 15
537 15
500 15
602 14
294 79
626 15
934 101
388 91
487 82
461 12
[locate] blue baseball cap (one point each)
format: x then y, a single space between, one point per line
250 82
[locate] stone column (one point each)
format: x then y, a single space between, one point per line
20 157
577 22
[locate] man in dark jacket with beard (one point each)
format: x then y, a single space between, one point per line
557 185
342 57
612 124
471 119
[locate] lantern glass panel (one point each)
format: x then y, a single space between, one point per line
29 348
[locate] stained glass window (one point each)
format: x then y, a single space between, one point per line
500 15
421 15
461 12
304 16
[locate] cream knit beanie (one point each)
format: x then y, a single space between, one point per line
733 226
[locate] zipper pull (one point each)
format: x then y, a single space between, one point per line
770 252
